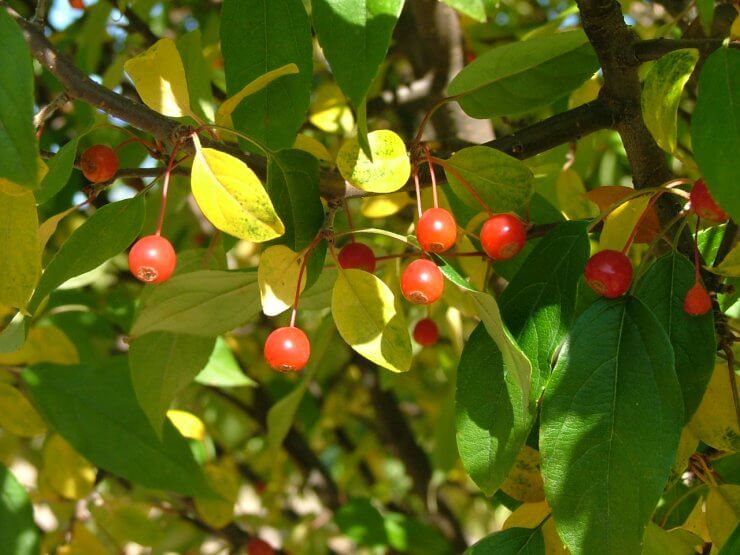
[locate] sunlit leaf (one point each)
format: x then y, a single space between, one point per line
66 471
715 421
723 512
619 224
383 206
330 111
20 261
524 482
17 527
389 170
277 276
17 415
189 425
312 146
607 195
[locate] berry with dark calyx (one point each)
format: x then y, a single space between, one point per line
437 230
697 301
357 256
609 273
99 163
704 205
422 282
503 236
287 349
152 259
257 546
426 332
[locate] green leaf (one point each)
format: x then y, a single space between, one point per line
717 115
503 182
223 369
258 36
661 94
20 261
512 541
107 232
13 334
205 303
663 288
361 522
676 542
475 9
20 162
95 410
355 37
611 420
520 76
18 532
293 186
162 364
60 170
197 74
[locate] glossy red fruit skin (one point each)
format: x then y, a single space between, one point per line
503 236
697 300
436 230
99 163
287 349
609 273
257 546
77 4
422 282
426 332
357 256
704 205
152 259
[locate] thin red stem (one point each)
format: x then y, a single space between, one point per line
433 176
166 187
418 190
349 220
306 256
149 146
464 182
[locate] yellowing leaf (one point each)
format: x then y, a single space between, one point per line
223 115
389 170
384 206
66 471
524 482
17 414
571 197
527 515
730 266
714 421
723 513
277 276
696 522
43 344
84 542
232 197
619 224
187 424
366 318
20 258
49 226
224 480
585 93
330 111
159 77
312 146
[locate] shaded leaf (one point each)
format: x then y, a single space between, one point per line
18 532
513 541
20 262
60 170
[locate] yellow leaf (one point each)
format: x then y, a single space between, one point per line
384 206
366 318
571 197
687 445
43 344
714 421
49 226
735 29
66 471
187 424
524 482
619 224
585 93
723 513
330 111
312 146
730 266
389 170
20 257
159 78
696 522
277 276
84 542
223 115
224 480
528 515
232 197
17 414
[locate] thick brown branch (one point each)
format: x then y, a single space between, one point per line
648 50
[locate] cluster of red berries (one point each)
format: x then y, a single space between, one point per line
609 272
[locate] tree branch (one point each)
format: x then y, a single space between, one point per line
649 50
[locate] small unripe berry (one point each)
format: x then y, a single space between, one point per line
99 163
437 230
422 282
609 273
503 236
426 332
357 256
697 301
704 205
152 259
287 349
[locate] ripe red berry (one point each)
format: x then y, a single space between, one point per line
257 546
426 332
609 273
437 230
77 4
287 349
697 301
422 282
704 205
152 259
357 256
99 163
503 236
